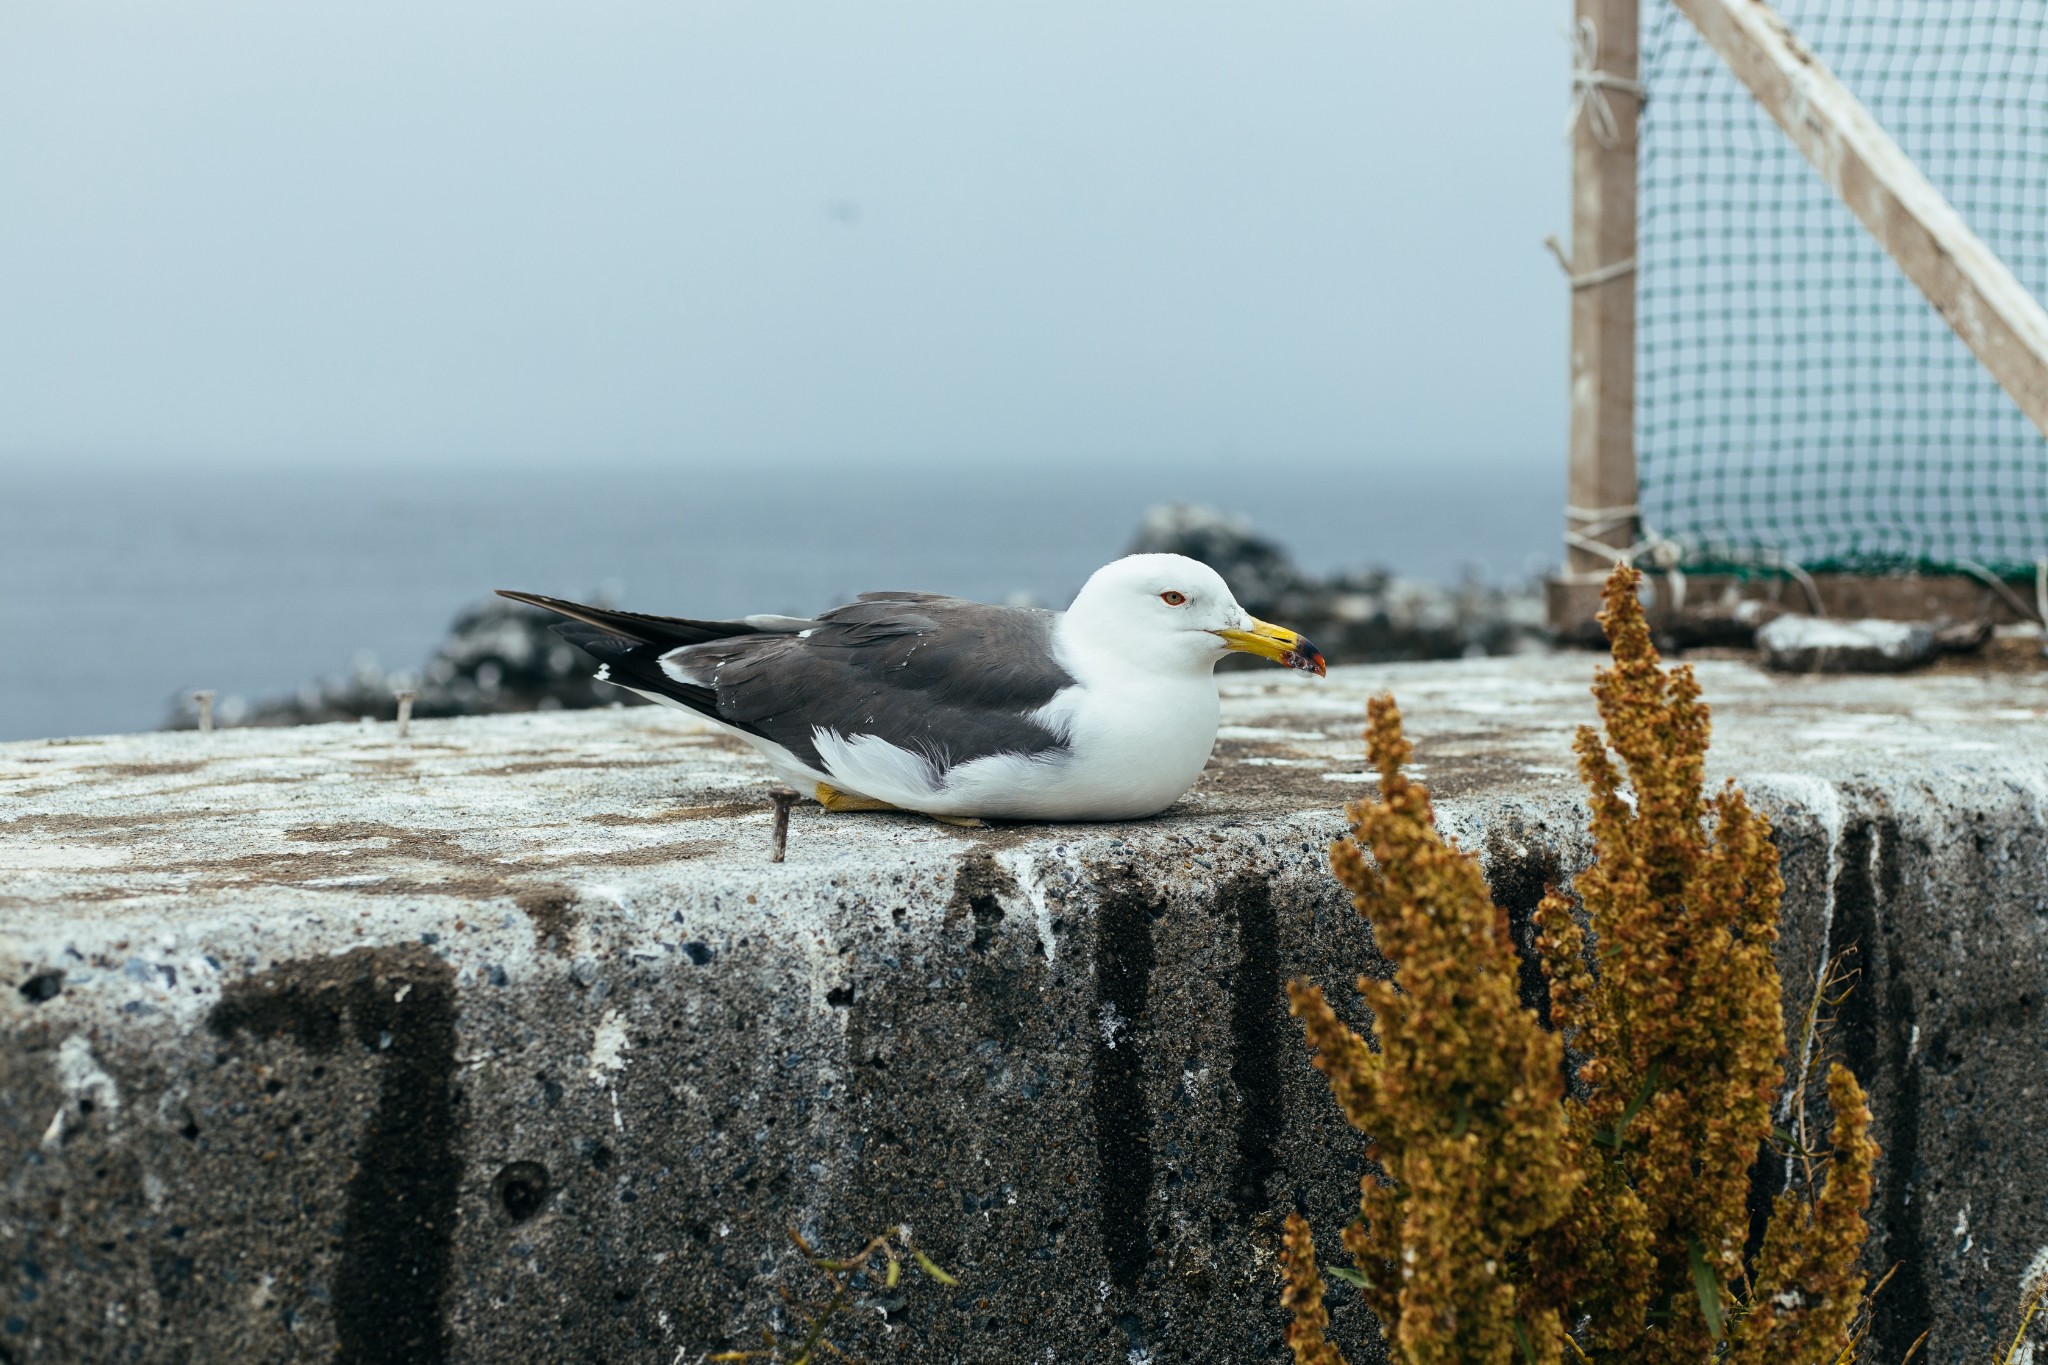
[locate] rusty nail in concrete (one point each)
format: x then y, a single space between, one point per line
782 797
205 700
406 696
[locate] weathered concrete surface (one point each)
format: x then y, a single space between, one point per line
508 1043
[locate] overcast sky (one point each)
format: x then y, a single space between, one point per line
468 230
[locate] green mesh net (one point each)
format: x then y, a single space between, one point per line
1797 397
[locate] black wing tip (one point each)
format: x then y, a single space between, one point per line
600 643
670 632
531 599
626 625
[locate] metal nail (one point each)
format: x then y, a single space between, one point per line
205 700
783 798
406 696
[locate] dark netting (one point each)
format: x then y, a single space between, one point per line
1797 397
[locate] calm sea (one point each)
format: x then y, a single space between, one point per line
119 590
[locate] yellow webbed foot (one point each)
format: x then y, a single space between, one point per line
833 799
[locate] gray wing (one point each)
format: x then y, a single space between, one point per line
949 679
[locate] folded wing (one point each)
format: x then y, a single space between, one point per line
942 678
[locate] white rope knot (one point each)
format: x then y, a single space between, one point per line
1590 86
1613 270
1585 525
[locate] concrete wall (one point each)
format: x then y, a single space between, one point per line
508 1043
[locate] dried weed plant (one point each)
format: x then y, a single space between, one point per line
2033 1298
879 1264
1520 1217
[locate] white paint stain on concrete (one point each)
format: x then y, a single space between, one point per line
81 1077
608 1046
1020 865
1824 801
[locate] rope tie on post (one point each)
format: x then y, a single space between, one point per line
1585 525
1612 271
1589 101
1590 86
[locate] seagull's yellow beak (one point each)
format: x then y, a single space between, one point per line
1277 643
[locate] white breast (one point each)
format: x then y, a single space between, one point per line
1136 741
1135 750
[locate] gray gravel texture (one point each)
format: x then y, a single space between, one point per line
507 1042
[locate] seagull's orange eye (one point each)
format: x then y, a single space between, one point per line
1174 599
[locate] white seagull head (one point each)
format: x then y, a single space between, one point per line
1172 613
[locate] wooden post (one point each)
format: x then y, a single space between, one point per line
1600 493
1970 287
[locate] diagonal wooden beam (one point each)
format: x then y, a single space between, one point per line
1965 281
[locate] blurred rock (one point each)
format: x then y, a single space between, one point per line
1731 621
1811 644
499 656
1360 616
1961 637
1258 570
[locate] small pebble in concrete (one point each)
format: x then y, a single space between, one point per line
522 1189
43 986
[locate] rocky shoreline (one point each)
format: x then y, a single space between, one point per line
1354 616
501 657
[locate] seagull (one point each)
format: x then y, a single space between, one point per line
965 712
